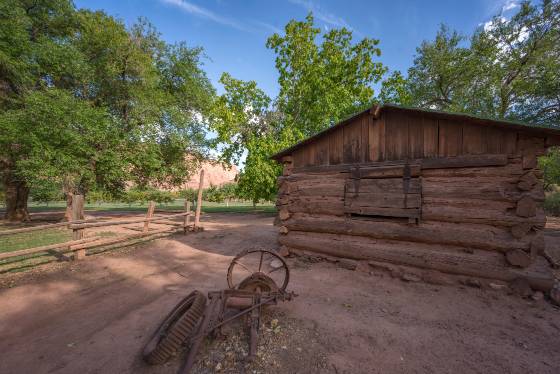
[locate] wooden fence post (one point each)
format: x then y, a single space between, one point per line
187 218
78 214
199 202
149 214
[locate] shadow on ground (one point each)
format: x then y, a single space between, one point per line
95 316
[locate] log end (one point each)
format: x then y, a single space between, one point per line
520 230
526 207
518 258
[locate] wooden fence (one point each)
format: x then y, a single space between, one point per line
81 242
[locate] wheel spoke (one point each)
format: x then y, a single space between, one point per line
273 270
261 261
243 266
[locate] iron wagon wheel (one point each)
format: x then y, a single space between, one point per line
176 328
257 271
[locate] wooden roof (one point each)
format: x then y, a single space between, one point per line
376 111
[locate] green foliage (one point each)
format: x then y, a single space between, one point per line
99 197
160 197
46 192
239 115
257 181
189 194
222 193
506 69
88 103
552 204
550 164
320 83
143 195
395 90
213 194
229 191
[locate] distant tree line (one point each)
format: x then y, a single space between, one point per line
225 193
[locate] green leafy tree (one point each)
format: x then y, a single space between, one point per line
320 83
213 194
246 125
188 194
440 72
396 90
46 193
36 54
550 164
229 191
93 105
506 69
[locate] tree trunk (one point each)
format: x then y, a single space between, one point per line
17 193
68 211
68 189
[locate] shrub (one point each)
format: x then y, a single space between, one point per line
550 164
143 195
98 197
46 192
213 194
188 194
552 204
160 197
134 196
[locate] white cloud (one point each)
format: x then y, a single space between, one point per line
201 12
509 5
489 25
323 15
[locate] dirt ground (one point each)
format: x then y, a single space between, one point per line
95 316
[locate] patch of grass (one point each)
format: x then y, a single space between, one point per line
33 239
25 240
271 209
178 204
552 204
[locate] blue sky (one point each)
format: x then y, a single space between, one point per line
234 32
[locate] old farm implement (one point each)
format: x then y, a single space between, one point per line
256 279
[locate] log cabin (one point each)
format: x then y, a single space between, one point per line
443 192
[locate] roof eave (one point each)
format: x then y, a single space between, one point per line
376 111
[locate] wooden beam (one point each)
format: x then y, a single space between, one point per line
78 214
149 214
47 226
461 235
199 201
464 161
126 221
186 219
483 264
385 171
121 239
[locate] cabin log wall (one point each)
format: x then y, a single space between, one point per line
481 197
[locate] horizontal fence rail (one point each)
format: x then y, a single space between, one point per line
78 225
86 225
46 227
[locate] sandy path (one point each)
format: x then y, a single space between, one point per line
95 316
